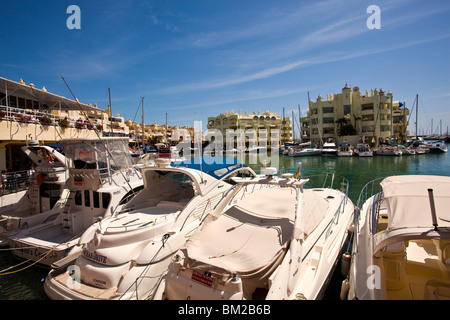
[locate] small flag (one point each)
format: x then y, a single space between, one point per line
297 174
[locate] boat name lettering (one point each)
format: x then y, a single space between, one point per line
94 256
102 282
29 251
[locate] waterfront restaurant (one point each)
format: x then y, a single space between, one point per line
30 115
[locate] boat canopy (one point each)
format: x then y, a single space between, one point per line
216 167
408 201
252 237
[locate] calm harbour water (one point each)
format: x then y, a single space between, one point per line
29 284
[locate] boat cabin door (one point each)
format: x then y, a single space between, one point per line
92 204
49 195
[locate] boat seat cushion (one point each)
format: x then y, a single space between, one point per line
437 289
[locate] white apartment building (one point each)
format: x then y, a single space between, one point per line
257 121
374 116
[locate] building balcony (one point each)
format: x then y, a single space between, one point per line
368 112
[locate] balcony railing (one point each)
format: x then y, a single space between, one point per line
14 181
24 116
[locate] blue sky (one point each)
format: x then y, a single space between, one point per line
194 59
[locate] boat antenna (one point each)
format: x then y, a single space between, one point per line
433 209
98 136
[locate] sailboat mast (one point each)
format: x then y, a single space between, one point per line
300 122
293 127
417 108
143 128
110 111
283 129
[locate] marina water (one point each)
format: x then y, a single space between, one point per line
29 283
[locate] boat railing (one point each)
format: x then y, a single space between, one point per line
375 212
129 225
370 189
332 181
328 180
14 181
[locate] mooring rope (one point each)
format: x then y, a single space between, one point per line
3 273
30 265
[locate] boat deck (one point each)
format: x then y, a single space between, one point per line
46 237
86 290
424 275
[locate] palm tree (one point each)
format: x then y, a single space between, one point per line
356 119
345 127
341 122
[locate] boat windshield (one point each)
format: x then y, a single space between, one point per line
92 154
164 187
218 167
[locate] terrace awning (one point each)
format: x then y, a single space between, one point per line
47 101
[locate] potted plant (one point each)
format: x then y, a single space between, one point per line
46 120
79 125
63 123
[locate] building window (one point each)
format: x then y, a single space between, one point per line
328 120
367 106
328 110
347 109
368 129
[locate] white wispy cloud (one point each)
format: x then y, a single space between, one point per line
328 57
215 84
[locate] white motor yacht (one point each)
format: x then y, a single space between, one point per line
401 246
363 150
304 149
406 151
345 150
437 146
125 256
329 149
101 177
280 242
388 151
46 193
